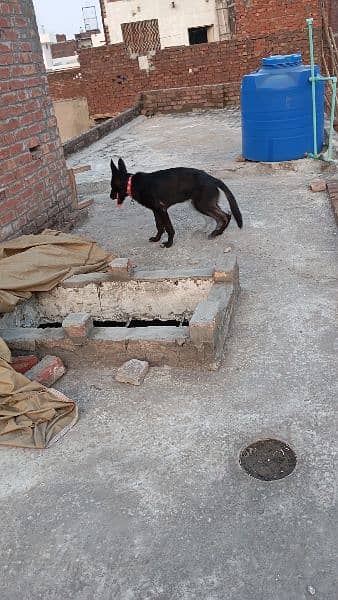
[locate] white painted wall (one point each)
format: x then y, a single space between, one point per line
98 39
173 22
46 40
66 62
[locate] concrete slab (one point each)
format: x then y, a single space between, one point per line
144 498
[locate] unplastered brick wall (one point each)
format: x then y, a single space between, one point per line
172 100
62 49
66 84
113 80
256 17
35 190
332 7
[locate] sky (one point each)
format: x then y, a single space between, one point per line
63 16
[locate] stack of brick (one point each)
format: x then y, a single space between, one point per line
35 190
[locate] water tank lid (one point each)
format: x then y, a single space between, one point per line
280 60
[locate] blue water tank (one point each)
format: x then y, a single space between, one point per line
276 104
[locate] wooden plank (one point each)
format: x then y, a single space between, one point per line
81 169
85 203
328 95
329 42
333 41
75 200
104 116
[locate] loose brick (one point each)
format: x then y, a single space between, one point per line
120 268
47 371
318 186
132 372
22 364
77 327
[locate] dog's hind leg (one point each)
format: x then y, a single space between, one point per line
222 219
206 203
160 228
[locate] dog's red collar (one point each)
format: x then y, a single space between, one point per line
129 184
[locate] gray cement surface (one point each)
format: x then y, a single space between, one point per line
144 499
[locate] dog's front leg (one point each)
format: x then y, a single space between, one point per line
160 227
169 229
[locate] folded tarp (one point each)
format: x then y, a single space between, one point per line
37 263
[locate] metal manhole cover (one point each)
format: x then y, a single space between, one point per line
268 460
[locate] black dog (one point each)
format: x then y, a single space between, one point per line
161 189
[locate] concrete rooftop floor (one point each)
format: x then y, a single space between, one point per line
144 499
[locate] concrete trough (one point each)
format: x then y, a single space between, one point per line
90 317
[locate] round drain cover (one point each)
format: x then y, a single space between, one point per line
268 460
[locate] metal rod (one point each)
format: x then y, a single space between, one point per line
320 78
313 84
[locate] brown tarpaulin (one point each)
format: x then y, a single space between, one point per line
31 416
37 263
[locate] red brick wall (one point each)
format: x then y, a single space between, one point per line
173 100
333 15
34 184
113 80
255 17
66 84
63 49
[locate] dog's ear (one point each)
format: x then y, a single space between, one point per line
113 167
122 167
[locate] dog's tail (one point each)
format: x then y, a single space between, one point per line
231 199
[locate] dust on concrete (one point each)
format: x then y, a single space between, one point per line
145 498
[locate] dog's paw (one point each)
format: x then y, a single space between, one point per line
166 244
154 239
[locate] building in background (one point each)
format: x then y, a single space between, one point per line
89 39
145 25
60 53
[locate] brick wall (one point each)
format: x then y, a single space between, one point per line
333 15
256 17
63 49
34 185
113 80
66 84
173 100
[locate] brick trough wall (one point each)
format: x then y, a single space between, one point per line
35 190
113 81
